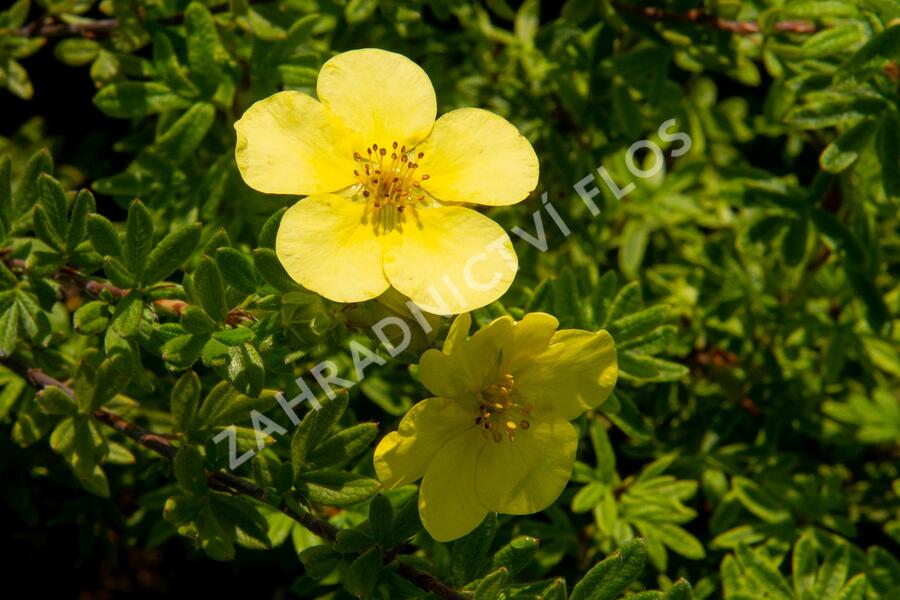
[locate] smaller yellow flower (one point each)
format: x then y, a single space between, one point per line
497 436
387 185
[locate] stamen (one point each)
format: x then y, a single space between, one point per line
501 410
385 182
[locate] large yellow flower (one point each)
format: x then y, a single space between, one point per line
385 183
497 435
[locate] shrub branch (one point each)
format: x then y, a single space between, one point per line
172 306
700 17
225 482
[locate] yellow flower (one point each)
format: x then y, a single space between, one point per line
384 182
497 435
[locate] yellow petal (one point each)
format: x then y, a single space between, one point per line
445 372
577 372
459 332
527 338
287 144
449 259
526 475
324 245
381 96
402 456
502 346
473 155
448 505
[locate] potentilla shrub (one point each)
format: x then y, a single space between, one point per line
581 300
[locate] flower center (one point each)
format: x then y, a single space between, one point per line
501 410
389 179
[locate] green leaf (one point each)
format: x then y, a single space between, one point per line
555 591
803 565
845 150
835 112
203 47
76 52
184 350
184 136
566 303
217 403
680 541
14 16
103 236
340 448
793 244
491 586
627 301
680 591
833 573
362 574
43 227
84 455
189 472
243 514
272 272
91 318
138 238
118 273
758 501
468 558
888 147
884 46
171 252
54 401
216 539
639 323
6 196
53 201
609 578
516 555
633 247
319 561
352 541
357 11
333 488
83 206
244 368
236 270
764 574
195 320
184 402
270 229
137 99
407 522
26 194
832 41
112 376
170 69
323 420
126 320
855 588
381 520
9 329
236 336
84 386
7 279
210 289
17 80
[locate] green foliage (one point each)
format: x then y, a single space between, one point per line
750 284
